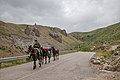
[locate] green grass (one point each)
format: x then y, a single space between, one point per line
107 34
104 53
5 49
1 22
14 63
4 31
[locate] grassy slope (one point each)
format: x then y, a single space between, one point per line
110 33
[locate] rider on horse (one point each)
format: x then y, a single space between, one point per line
37 45
35 53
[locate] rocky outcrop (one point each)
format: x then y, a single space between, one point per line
32 31
36 31
64 32
27 30
56 37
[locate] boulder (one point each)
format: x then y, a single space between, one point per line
107 67
95 60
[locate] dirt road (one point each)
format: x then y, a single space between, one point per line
73 66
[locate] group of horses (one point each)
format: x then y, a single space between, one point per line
43 55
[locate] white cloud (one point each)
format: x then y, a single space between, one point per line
73 15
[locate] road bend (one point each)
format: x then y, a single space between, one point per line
74 66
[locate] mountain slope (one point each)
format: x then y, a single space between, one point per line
107 34
15 38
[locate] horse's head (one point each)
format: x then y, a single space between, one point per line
41 48
52 48
30 48
49 49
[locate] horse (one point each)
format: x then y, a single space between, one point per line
55 52
49 54
34 53
45 53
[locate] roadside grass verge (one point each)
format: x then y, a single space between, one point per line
14 63
104 53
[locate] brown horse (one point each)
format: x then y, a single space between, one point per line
34 53
55 53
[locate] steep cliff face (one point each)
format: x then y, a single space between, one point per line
54 34
15 38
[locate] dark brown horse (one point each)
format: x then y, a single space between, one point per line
55 52
34 53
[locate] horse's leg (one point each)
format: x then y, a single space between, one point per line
39 61
38 57
42 59
49 58
34 66
54 57
58 56
45 59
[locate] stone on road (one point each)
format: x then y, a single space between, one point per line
74 66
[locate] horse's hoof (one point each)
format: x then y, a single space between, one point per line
40 65
34 68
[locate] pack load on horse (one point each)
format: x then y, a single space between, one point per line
46 53
34 53
55 52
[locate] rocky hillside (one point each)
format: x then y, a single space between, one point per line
15 38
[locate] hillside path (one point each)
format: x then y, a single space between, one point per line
74 66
